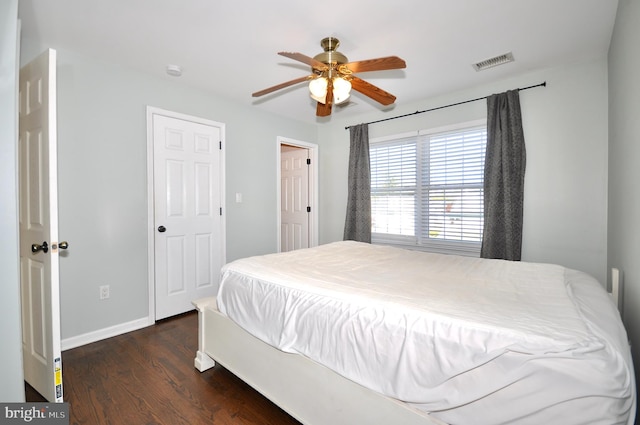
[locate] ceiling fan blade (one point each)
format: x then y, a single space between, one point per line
379 64
324 109
374 92
315 64
282 85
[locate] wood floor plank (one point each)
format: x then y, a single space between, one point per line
147 377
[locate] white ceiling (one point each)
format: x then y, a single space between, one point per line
229 48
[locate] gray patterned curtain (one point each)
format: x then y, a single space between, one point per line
505 162
357 226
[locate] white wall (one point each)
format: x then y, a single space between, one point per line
565 127
12 388
102 151
624 162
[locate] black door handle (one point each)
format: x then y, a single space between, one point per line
37 247
162 229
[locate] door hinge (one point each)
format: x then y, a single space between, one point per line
308 209
308 161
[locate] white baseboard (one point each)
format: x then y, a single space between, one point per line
100 334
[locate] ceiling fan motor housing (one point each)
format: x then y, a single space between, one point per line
330 55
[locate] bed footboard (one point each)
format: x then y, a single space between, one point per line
311 393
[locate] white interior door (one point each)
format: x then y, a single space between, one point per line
39 278
188 209
294 198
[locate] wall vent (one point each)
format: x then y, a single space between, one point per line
490 63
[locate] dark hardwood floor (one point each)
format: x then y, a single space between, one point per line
147 377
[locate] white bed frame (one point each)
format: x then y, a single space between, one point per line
308 391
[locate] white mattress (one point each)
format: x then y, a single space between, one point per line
472 341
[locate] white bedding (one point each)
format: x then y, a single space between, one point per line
472 341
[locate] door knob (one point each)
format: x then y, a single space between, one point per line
44 247
162 229
61 245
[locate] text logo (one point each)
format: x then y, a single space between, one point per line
34 413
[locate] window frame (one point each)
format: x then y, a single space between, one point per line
457 247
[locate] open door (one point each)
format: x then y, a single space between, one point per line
297 194
39 245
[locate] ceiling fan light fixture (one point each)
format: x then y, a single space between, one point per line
318 89
341 90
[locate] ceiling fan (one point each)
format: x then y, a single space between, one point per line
332 79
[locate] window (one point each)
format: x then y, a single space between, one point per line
427 189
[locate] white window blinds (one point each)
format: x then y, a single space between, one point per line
393 187
427 190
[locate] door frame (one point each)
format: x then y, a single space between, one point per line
312 148
151 231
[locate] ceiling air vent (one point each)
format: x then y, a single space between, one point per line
490 63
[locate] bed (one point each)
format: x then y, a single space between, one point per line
354 333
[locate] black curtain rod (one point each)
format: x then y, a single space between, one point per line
544 84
